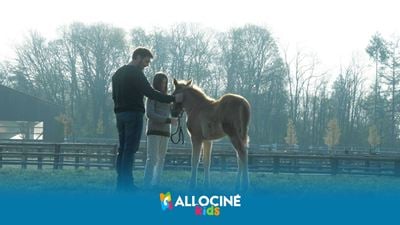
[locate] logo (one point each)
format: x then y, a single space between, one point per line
203 205
166 201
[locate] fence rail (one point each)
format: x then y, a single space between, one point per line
42 155
103 156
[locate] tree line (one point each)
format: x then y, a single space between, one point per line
292 101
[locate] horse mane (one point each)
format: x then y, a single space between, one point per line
198 92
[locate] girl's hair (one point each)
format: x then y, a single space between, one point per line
158 78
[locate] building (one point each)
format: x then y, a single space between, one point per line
28 117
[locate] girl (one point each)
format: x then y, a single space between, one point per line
158 132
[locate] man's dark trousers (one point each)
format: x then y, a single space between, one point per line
130 125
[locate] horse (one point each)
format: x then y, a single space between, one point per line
209 119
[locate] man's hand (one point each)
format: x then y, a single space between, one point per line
179 97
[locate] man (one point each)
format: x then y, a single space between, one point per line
129 86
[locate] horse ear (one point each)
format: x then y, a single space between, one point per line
189 83
175 82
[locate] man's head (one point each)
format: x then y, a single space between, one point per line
141 57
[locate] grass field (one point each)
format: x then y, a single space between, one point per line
103 181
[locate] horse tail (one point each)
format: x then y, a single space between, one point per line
245 118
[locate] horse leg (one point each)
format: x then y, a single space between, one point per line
196 148
207 148
242 178
245 171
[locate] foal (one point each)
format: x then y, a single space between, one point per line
209 119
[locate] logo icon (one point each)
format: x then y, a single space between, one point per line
166 201
203 205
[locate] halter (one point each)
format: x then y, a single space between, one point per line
178 131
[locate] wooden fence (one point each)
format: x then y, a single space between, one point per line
57 156
103 156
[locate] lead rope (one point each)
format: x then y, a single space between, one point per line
178 131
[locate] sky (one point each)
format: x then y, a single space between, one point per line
332 30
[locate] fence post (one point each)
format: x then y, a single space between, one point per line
397 167
77 158
87 161
276 164
367 163
56 156
250 161
296 165
61 161
1 157
334 165
114 153
23 159
99 159
40 159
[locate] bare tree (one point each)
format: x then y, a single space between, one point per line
299 71
39 62
71 62
254 68
392 80
102 49
346 100
377 50
5 73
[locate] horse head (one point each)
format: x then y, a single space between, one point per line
180 87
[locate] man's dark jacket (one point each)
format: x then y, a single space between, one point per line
129 86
